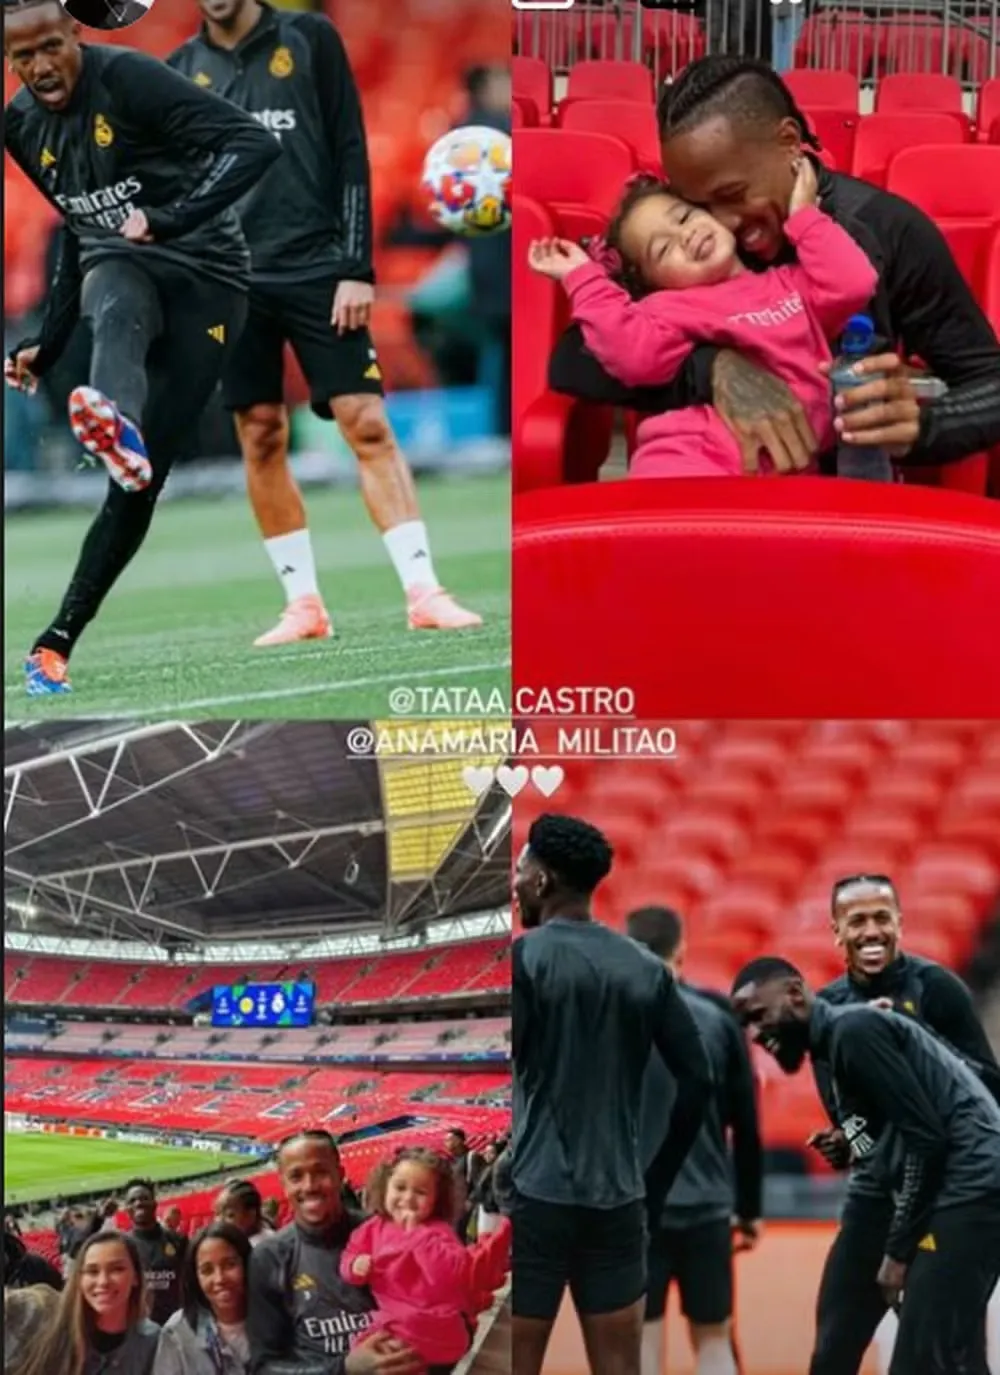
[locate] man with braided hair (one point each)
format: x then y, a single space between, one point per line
731 135
146 169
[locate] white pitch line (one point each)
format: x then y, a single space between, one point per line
182 709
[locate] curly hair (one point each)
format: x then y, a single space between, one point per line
578 854
723 84
439 1166
639 189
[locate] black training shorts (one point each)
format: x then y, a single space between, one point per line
700 1260
600 1254
298 314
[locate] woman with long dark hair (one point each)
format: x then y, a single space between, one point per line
100 1326
208 1335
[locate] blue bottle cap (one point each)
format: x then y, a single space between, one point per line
858 336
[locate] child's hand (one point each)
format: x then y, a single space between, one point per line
806 190
361 1267
556 258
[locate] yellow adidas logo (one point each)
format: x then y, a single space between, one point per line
218 333
374 373
928 1243
48 158
303 1282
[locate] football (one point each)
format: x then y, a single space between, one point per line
467 178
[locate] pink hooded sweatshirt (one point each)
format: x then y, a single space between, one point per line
422 1283
780 319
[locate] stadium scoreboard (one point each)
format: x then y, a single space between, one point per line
262 1005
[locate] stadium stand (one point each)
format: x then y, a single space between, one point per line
745 832
57 982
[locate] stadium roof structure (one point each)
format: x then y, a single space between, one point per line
188 835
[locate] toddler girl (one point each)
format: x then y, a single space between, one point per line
410 1257
680 284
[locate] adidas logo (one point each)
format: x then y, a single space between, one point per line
373 373
218 333
48 158
928 1243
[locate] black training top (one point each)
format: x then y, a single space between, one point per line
137 136
311 217
940 1001
897 1078
588 1006
711 1185
301 1316
922 301
162 1254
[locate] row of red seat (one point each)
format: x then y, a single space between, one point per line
612 79
862 145
889 43
71 1090
474 966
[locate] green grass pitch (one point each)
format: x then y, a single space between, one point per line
40 1166
174 639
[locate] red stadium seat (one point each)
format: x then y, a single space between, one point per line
836 127
824 88
988 107
881 137
632 122
532 79
837 42
991 305
918 91
551 433
610 79
578 177
813 552
523 113
959 188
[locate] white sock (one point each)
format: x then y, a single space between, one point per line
410 552
292 556
715 1357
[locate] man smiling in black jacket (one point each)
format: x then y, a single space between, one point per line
901 1092
731 134
301 1316
867 923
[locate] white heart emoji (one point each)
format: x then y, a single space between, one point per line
477 780
547 780
512 780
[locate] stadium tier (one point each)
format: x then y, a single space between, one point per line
402 1041
228 1100
746 832
478 966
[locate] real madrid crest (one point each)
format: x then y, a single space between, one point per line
104 135
282 63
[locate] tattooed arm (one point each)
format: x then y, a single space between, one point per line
762 413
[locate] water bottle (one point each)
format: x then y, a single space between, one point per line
853 460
